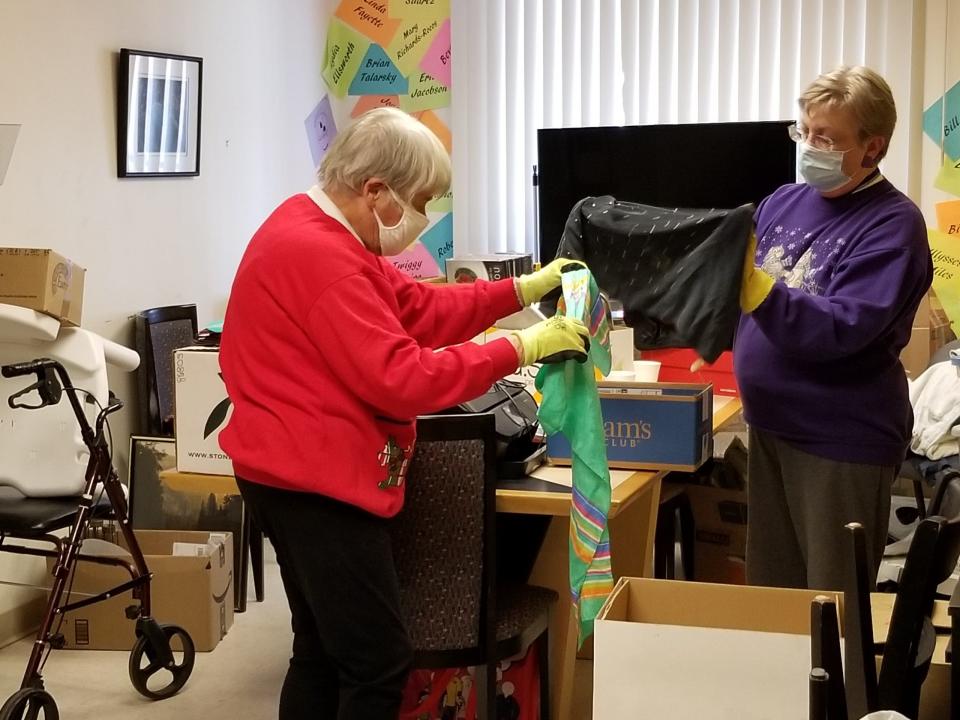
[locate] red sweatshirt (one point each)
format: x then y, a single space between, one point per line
328 354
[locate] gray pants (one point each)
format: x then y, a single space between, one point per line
798 506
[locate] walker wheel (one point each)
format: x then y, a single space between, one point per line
30 704
150 676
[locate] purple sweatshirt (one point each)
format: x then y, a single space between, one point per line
818 362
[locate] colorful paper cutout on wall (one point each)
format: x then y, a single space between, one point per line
419 9
392 53
378 75
425 94
345 50
321 129
948 178
417 262
436 61
372 102
370 18
948 217
411 42
945 251
442 204
437 126
943 126
439 240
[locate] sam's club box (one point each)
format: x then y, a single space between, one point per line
656 426
201 411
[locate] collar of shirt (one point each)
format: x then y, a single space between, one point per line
324 202
877 177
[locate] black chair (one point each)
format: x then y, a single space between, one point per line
160 331
909 646
827 694
674 511
444 546
819 685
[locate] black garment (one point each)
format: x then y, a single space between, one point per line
351 653
676 271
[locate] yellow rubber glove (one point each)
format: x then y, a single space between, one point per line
553 340
756 284
534 286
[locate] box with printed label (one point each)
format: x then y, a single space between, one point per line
656 426
201 411
42 280
192 589
487 267
720 522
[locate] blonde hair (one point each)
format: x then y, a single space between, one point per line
863 92
389 144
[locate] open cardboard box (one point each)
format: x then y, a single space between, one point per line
194 592
689 651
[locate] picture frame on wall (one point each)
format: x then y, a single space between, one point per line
162 501
159 99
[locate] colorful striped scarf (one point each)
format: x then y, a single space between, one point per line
571 406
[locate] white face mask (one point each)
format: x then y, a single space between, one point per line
394 240
821 169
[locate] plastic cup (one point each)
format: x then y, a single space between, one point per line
646 370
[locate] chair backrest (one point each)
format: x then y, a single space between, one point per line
443 539
931 559
825 656
160 331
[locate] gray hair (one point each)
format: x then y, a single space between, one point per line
389 144
861 90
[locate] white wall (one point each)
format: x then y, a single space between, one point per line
152 242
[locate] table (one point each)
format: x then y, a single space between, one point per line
634 504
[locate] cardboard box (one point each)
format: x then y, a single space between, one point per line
720 532
650 426
201 410
487 267
675 367
193 592
667 649
42 280
916 355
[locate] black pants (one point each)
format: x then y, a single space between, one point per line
351 653
799 505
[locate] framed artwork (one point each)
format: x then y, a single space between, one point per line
158 114
161 501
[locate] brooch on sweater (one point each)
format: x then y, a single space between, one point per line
396 460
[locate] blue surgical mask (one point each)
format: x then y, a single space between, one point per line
821 169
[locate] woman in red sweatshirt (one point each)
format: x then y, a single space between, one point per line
329 354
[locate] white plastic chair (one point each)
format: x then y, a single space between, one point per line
43 452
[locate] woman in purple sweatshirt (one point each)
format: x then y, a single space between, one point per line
829 297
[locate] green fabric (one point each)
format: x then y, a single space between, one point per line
571 405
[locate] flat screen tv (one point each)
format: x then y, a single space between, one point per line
704 165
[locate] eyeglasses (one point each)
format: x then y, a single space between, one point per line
818 141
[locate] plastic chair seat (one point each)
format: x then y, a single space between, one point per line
34 517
